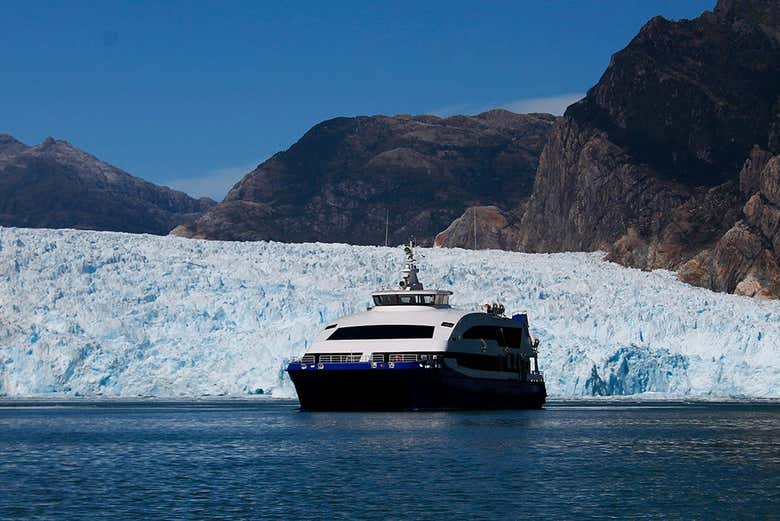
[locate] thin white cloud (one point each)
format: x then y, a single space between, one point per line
214 183
550 104
460 109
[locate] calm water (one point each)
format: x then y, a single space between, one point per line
265 460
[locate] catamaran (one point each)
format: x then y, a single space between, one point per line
413 351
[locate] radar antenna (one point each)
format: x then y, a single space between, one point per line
409 280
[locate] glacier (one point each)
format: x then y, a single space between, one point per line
119 315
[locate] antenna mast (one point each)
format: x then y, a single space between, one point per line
409 280
387 224
475 228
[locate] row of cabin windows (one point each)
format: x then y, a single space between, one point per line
505 336
411 300
509 362
381 332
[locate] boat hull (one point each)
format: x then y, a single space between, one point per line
407 386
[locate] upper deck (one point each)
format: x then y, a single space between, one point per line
406 327
415 320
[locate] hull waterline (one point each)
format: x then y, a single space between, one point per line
408 386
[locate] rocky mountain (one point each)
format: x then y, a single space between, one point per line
746 259
342 179
647 166
56 185
483 228
644 166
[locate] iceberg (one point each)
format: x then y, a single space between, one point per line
112 314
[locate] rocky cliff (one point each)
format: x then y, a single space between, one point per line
646 166
55 185
482 228
746 259
342 179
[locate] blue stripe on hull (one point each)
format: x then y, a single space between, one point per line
407 386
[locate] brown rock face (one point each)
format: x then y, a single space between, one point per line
340 180
589 192
55 185
750 175
494 230
745 259
645 166
674 237
691 98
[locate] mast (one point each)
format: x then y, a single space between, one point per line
387 224
475 227
409 280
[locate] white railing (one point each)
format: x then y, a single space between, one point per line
340 359
403 357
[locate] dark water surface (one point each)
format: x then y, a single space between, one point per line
265 460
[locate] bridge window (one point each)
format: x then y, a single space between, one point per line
382 332
411 300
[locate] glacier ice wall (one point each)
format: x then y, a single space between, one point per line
112 314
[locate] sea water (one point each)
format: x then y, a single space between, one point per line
263 459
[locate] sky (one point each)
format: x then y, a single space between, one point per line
194 95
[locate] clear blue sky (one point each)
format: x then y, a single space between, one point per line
195 94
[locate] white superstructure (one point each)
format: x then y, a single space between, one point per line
412 322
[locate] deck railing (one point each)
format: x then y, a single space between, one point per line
343 358
403 357
340 358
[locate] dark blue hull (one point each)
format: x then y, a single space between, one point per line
407 386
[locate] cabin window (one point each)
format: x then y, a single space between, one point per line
485 333
512 336
481 362
504 336
410 300
381 332
387 300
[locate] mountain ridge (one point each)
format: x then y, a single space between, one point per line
57 185
346 176
662 163
647 165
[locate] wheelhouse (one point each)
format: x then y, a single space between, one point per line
412 298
